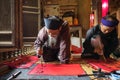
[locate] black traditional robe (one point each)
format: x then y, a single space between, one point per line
109 40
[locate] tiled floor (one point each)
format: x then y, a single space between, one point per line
76 41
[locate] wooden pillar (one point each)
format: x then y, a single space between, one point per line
84 10
118 17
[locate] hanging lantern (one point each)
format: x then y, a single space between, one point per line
104 7
92 19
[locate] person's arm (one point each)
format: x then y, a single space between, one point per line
87 43
114 40
64 54
39 42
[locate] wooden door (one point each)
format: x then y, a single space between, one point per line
9 24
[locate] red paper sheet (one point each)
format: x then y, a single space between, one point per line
57 69
76 49
22 62
110 65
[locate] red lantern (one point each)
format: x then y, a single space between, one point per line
104 7
92 19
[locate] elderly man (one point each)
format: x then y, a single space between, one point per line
101 39
53 40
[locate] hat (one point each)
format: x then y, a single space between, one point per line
53 22
109 23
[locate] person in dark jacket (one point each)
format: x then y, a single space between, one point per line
101 39
53 40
